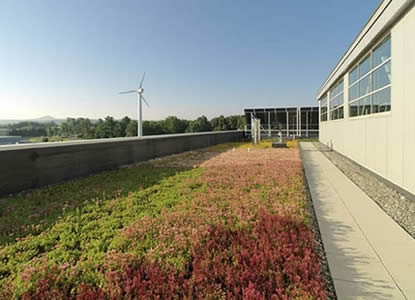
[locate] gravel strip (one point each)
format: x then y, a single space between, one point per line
325 270
395 204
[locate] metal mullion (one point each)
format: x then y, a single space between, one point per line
370 72
380 89
369 53
382 64
372 92
354 83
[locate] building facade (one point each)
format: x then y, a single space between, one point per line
301 121
367 104
10 140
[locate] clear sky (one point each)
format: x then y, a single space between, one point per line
211 57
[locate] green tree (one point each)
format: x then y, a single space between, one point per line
86 129
117 130
241 122
220 123
199 125
236 122
30 129
131 129
175 125
105 129
153 127
124 123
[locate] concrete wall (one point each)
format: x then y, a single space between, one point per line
33 165
385 142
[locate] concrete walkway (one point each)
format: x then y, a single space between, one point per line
369 255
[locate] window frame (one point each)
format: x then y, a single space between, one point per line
369 74
324 103
337 112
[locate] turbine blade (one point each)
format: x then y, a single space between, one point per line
145 101
129 92
142 79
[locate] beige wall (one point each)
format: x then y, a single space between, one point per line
385 143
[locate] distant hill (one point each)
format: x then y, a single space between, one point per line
44 119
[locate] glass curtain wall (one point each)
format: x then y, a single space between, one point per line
298 121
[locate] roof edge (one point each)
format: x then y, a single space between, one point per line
387 12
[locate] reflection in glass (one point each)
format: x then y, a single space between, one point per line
353 108
364 86
341 112
353 76
381 101
364 66
353 92
382 53
382 76
364 106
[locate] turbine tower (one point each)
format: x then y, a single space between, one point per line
141 98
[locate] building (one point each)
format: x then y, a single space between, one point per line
367 103
10 140
299 121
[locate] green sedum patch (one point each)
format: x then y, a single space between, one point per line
34 211
79 222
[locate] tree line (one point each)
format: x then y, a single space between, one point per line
109 127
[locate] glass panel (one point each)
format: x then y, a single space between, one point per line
333 103
382 76
382 53
364 86
337 101
333 114
341 86
341 98
337 89
333 93
364 67
364 106
353 107
353 92
341 112
382 101
353 76
337 113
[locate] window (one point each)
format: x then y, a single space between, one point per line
370 82
323 108
337 101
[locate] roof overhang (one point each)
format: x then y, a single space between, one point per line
387 13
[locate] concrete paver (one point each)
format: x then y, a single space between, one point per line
370 256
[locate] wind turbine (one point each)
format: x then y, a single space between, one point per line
139 92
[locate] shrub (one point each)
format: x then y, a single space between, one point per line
275 259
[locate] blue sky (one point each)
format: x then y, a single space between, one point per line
211 57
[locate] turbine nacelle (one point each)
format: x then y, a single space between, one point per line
140 90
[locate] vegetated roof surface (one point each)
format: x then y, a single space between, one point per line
222 222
